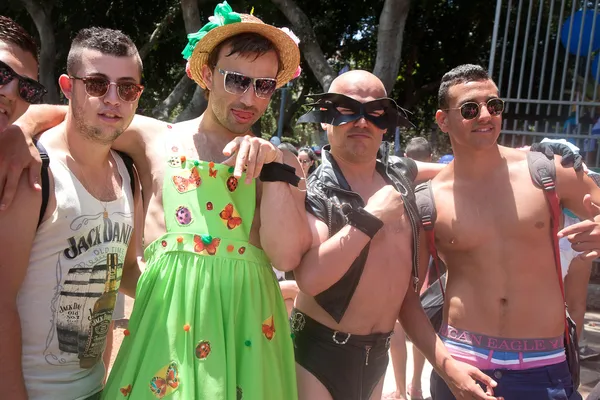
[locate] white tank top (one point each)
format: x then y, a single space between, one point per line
66 301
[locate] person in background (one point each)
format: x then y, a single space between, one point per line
418 148
308 160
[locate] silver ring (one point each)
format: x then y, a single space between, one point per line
343 341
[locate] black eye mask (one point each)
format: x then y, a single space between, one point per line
383 113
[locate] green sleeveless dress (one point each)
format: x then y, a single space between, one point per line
209 321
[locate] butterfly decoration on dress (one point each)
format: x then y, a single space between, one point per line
230 216
126 391
206 243
185 184
268 328
166 381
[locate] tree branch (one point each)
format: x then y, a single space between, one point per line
389 41
191 15
163 110
161 27
41 14
308 42
195 107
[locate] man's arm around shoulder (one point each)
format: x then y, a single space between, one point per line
14 260
134 264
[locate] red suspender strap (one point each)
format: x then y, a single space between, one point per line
552 197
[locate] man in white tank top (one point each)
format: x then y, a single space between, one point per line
60 279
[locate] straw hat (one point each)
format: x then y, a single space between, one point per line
289 54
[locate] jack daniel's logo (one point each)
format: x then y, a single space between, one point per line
107 231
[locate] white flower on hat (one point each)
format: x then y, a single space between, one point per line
291 34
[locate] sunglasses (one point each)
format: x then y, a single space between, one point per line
30 90
304 161
239 84
98 87
470 110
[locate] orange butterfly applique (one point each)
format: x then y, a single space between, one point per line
206 243
230 216
192 182
268 328
166 381
126 391
212 173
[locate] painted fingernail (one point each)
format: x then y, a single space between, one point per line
2 207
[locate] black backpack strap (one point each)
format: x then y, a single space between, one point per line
426 205
128 161
542 170
45 175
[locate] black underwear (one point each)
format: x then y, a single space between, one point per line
349 366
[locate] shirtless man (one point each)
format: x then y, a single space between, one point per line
356 279
492 232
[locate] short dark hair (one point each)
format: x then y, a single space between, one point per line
289 147
107 41
11 32
418 148
245 44
456 76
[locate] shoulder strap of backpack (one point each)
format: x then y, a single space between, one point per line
128 161
543 175
426 205
45 179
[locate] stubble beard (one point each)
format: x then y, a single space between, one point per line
94 133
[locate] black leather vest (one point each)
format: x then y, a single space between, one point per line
327 190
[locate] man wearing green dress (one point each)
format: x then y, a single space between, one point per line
209 321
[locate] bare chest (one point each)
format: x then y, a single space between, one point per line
385 279
469 216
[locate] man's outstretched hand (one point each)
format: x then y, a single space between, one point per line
17 153
569 158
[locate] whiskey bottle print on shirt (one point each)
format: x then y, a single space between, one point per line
100 317
78 330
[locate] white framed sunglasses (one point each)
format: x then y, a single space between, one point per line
238 84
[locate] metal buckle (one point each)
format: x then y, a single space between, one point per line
343 341
297 322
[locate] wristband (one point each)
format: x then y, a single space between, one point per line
362 220
278 172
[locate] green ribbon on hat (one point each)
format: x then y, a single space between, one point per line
224 15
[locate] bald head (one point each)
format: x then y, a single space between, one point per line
358 84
